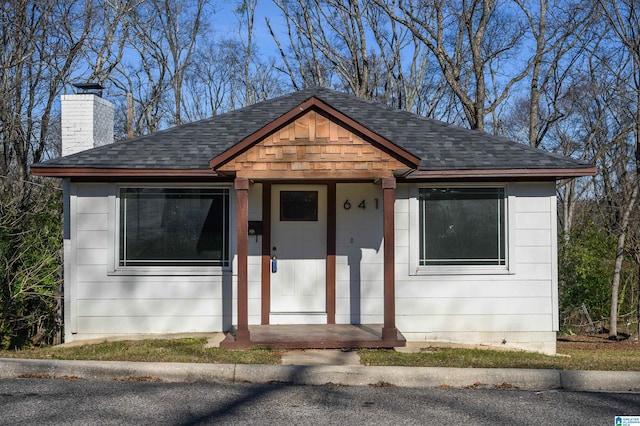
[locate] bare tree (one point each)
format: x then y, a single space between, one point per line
258 81
109 37
405 79
356 46
164 34
246 12
468 39
41 43
305 65
230 73
327 35
624 20
560 31
209 82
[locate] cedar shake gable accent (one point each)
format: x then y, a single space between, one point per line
432 148
314 145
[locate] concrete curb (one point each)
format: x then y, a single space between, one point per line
426 377
430 377
606 381
116 370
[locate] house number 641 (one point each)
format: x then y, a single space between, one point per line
362 205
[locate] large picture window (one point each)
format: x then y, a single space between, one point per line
462 226
174 227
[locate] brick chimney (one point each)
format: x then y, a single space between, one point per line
87 119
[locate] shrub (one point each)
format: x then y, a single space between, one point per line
30 242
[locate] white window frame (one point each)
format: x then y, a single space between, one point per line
114 232
414 233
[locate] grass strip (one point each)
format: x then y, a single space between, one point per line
606 360
178 350
192 350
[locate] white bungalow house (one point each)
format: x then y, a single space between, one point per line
312 212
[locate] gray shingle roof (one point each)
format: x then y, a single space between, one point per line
441 146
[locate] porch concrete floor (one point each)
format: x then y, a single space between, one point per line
322 336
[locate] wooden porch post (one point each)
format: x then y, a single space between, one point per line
242 217
389 331
266 254
331 253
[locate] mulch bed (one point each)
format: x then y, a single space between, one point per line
597 341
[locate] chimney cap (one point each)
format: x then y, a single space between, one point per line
95 88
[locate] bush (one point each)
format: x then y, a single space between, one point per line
30 242
585 270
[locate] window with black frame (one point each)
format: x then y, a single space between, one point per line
174 227
299 206
462 226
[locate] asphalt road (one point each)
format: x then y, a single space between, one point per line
81 402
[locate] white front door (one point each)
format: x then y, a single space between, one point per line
298 252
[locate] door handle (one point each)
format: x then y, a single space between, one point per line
274 264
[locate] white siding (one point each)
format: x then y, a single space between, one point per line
485 308
254 272
100 302
518 306
110 326
359 255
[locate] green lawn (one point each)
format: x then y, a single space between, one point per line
192 350
178 350
625 360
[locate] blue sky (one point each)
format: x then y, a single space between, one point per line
224 23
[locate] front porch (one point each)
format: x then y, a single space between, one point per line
324 336
313 231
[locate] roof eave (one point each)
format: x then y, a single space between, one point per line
63 172
556 173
